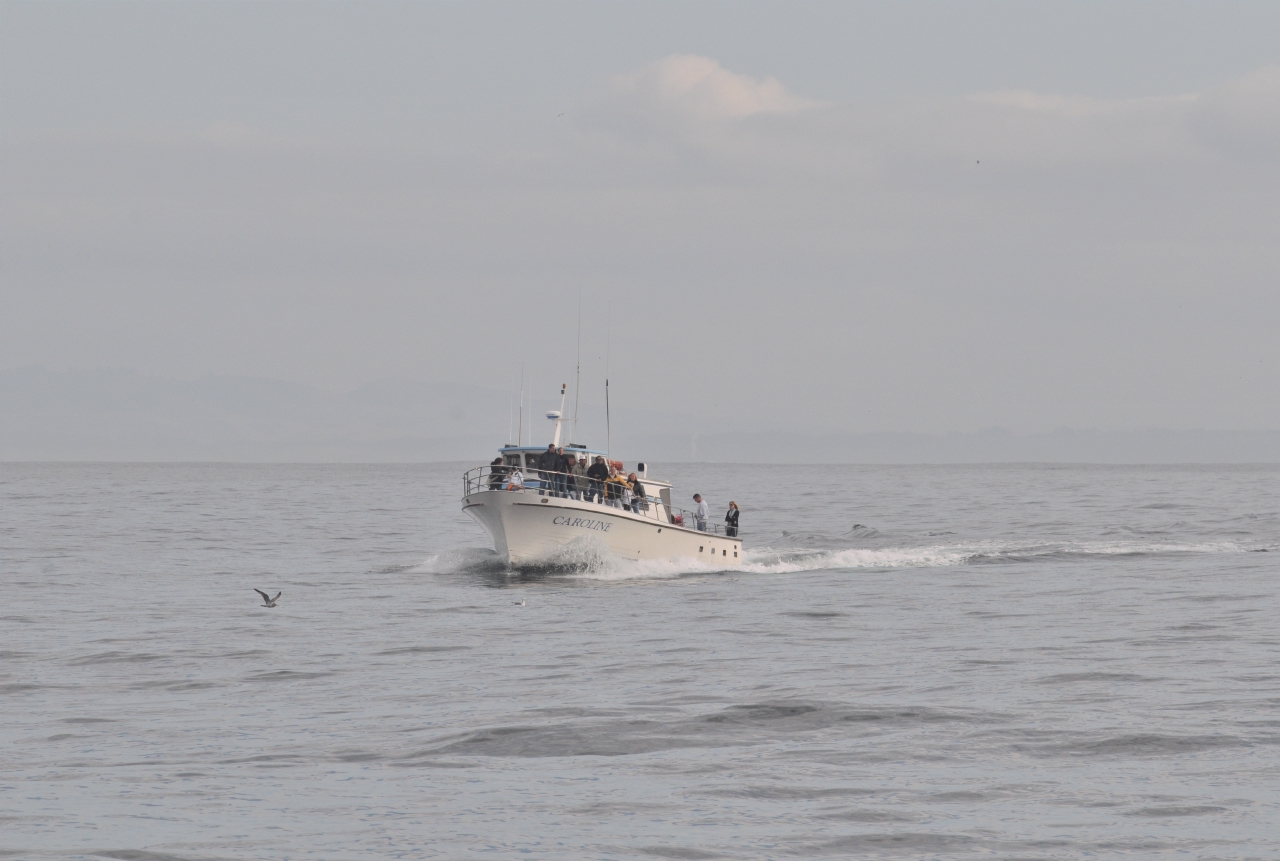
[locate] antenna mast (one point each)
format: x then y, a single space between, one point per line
608 423
520 439
577 379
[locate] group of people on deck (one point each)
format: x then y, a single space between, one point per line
563 476
703 511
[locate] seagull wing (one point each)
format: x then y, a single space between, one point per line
277 597
263 594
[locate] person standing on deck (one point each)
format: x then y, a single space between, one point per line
580 481
562 473
639 498
548 465
731 520
614 487
701 513
497 474
598 474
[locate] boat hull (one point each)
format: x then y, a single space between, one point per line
530 530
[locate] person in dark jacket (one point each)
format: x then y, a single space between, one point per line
548 465
597 475
639 499
497 474
731 520
564 474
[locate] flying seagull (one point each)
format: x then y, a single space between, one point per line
267 600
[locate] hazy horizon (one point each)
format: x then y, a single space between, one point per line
118 417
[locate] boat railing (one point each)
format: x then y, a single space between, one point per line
563 485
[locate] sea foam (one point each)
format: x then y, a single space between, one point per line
587 558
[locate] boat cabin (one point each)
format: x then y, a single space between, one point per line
526 457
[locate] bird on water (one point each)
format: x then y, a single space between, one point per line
267 600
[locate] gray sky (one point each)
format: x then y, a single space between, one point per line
893 216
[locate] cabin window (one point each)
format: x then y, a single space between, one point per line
513 460
531 460
735 554
700 548
724 552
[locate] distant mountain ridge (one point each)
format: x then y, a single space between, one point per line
125 416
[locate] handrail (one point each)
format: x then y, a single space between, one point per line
563 485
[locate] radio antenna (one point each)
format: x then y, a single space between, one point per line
608 423
520 439
577 380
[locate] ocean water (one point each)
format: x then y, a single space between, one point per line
911 662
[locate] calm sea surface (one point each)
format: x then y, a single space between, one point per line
912 662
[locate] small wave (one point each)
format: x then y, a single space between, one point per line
1187 810
117 658
285 676
1140 744
22 687
422 650
743 724
1071 678
139 855
678 853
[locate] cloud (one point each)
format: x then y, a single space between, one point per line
1238 118
687 89
690 109
1241 117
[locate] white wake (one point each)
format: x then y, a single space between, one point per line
589 559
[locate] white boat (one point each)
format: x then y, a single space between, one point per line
539 523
